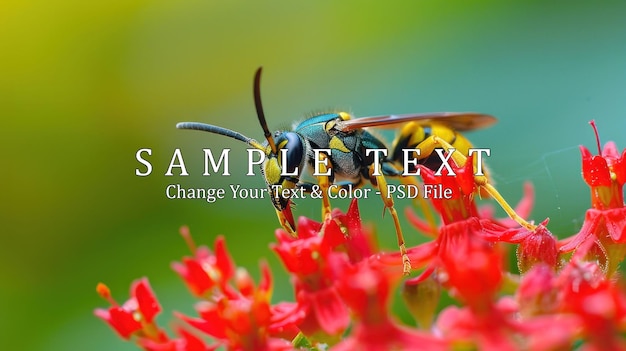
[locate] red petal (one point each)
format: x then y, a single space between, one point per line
590 226
244 283
465 177
148 304
223 260
423 253
540 247
333 236
211 324
330 310
353 216
537 291
120 320
418 223
151 345
610 150
300 256
192 342
285 318
194 275
265 285
615 220
595 169
493 232
552 332
308 228
619 167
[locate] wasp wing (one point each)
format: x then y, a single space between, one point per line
460 121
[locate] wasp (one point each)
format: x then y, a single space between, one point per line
346 141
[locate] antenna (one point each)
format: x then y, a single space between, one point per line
259 110
221 131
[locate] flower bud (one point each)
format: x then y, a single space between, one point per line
538 247
421 299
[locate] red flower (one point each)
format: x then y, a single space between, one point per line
460 204
366 290
493 329
308 258
579 301
606 170
500 328
186 342
605 174
603 233
465 242
342 284
538 247
206 269
248 321
459 209
136 315
473 267
537 293
597 301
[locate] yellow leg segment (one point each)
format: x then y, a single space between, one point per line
324 183
429 145
388 201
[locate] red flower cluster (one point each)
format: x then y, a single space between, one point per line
565 295
136 318
603 234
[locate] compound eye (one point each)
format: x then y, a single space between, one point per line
295 151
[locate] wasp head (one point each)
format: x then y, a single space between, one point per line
284 157
282 169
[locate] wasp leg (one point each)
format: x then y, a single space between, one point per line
429 145
388 201
390 170
324 183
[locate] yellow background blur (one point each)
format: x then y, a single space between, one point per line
84 85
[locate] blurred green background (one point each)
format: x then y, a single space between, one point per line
84 85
